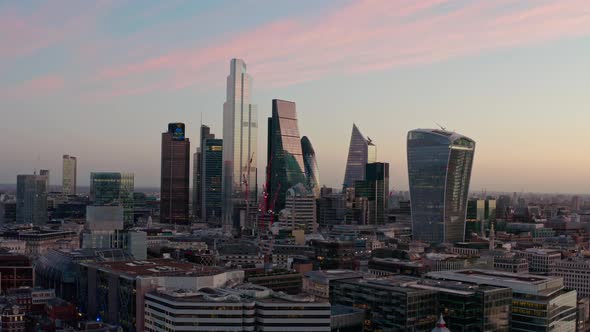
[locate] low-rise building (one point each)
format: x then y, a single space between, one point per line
575 273
317 283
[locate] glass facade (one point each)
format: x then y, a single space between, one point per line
240 133
174 179
113 188
360 152
284 155
31 199
311 166
439 171
197 201
211 176
375 188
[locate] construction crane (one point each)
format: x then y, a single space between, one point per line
246 185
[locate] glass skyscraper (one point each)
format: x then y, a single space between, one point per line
439 171
174 187
113 188
211 158
361 151
31 199
375 190
311 166
284 155
197 170
240 132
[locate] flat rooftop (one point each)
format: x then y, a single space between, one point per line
156 267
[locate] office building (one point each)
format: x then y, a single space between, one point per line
114 292
15 271
575 273
439 171
361 151
45 173
374 190
240 137
311 166
211 178
300 211
113 188
541 261
205 133
333 254
69 173
539 303
317 283
31 199
38 242
285 156
175 172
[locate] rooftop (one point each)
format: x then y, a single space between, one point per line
156 267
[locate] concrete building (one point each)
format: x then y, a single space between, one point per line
31 199
575 273
69 174
114 292
15 271
300 210
539 303
541 261
317 283
39 242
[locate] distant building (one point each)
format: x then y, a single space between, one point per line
240 150
333 255
317 283
205 133
541 261
69 173
375 192
311 166
285 156
175 172
361 151
113 188
31 199
575 274
285 281
211 178
439 171
300 211
46 174
16 271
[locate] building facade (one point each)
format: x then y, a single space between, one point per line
174 179
69 173
113 188
205 133
284 156
439 171
575 273
211 177
300 211
240 137
31 199
360 152
375 192
311 166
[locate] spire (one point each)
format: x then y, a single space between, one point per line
441 326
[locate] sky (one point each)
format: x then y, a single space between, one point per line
100 80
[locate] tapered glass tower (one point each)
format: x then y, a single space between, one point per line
439 171
311 166
361 151
284 156
240 132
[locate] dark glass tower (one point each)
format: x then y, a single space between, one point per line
375 190
284 155
360 152
197 171
31 199
174 187
113 188
311 166
211 175
439 171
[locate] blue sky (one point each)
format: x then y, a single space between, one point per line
101 80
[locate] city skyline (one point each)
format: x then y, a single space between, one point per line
536 77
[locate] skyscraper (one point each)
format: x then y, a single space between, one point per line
375 192
361 151
212 155
439 171
205 133
311 166
284 155
175 172
113 188
240 133
31 199
69 175
45 173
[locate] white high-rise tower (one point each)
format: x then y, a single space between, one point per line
69 175
240 133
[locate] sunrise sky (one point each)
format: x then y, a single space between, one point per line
100 80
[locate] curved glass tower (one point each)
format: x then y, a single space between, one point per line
439 171
311 166
361 151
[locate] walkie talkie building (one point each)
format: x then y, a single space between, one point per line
439 171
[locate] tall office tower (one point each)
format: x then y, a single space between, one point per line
374 191
205 133
31 199
240 134
284 155
113 188
362 151
175 172
69 175
45 173
439 171
300 211
311 166
212 161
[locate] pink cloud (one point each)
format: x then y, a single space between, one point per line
35 87
361 37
